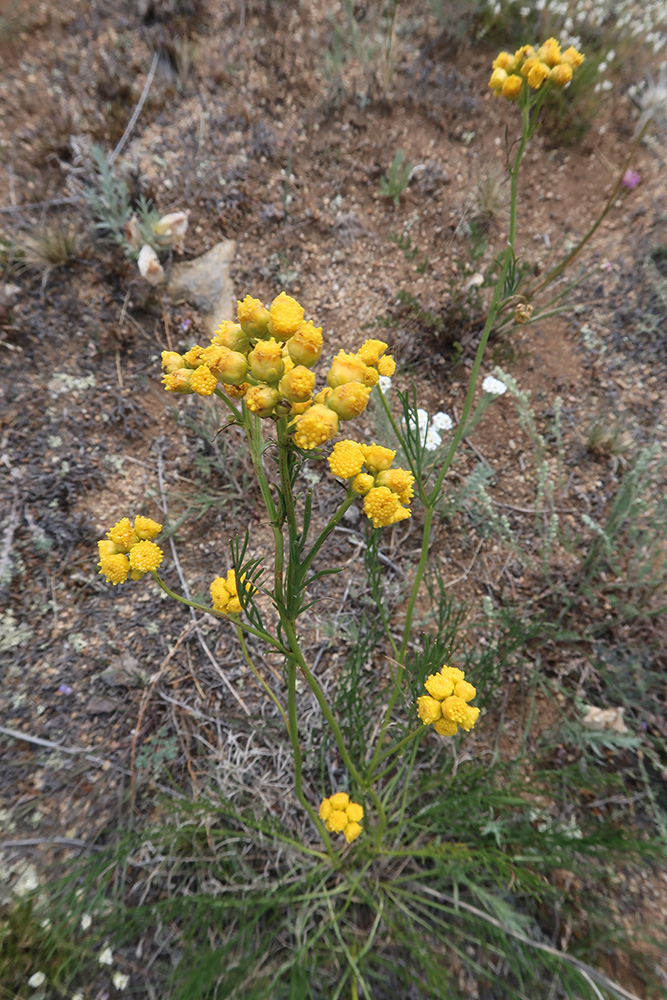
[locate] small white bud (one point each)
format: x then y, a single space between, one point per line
173 227
37 979
150 267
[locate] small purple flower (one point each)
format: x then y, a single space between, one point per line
65 689
631 179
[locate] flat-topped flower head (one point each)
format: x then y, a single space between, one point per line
317 425
493 386
146 556
123 534
346 460
115 568
386 366
178 381
549 52
383 507
285 317
512 87
203 381
194 357
297 383
224 594
371 351
446 707
340 815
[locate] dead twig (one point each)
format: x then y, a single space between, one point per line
137 111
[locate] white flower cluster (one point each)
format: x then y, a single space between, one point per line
493 386
431 428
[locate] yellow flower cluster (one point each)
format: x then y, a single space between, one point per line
266 358
534 67
342 816
387 492
225 594
446 707
129 550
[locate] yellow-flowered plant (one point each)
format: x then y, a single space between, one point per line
128 551
531 69
340 815
261 367
446 707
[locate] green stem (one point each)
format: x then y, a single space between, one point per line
251 664
399 746
296 657
514 171
293 729
218 614
255 441
321 539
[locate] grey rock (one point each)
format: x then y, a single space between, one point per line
205 284
101 706
124 671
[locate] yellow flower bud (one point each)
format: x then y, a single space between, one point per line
549 53
377 458
454 709
363 483
178 381
336 821
469 718
399 481
561 75
231 335
504 61
538 75
512 87
171 361
227 365
346 460
340 800
203 381
146 529
305 346
349 400
325 809
439 687
452 673
352 831
346 368
220 595
194 357
371 376
253 316
123 534
105 547
146 556
266 361
386 366
355 812
297 384
371 351
261 399
236 391
383 507
572 57
115 568
445 727
285 317
465 691
498 78
428 709
528 65
317 425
